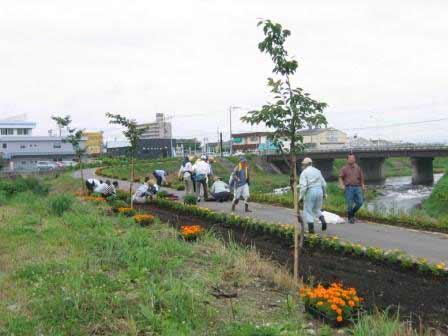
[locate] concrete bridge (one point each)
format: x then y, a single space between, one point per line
371 159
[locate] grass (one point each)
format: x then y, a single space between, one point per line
82 272
437 204
78 270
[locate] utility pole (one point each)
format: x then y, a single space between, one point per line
231 108
221 145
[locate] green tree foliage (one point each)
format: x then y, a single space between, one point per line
292 109
133 134
62 122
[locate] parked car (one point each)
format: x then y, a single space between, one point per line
59 165
45 165
69 163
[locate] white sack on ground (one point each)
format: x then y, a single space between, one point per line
332 218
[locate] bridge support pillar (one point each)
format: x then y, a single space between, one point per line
373 170
422 171
326 168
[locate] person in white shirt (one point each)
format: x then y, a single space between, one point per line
147 190
160 176
312 191
201 170
220 190
186 174
106 189
91 184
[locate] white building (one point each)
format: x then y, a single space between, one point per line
22 150
160 129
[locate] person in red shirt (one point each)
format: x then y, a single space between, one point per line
351 180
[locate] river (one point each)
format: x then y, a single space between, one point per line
398 194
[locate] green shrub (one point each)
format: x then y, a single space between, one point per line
190 200
21 184
59 204
162 194
123 196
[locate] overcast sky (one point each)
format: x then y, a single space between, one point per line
376 63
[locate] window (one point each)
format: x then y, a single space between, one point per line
6 131
332 137
22 131
22 146
5 145
57 145
253 138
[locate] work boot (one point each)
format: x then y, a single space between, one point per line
311 228
324 222
246 208
349 217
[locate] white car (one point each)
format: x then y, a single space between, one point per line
45 166
69 163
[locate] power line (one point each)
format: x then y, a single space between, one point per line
395 125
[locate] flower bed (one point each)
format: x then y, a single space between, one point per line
144 219
96 199
286 231
191 232
128 212
335 304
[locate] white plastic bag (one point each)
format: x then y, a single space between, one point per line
332 218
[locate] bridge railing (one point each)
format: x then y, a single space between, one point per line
370 148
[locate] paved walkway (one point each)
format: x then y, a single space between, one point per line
432 246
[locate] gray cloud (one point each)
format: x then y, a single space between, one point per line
373 62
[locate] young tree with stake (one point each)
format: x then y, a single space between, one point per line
74 138
133 134
292 110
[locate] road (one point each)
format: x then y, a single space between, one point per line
422 244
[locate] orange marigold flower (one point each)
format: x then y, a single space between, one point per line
339 318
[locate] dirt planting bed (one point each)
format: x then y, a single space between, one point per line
424 298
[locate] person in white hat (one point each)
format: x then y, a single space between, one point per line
201 170
312 191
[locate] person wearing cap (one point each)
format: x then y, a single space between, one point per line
147 190
241 183
201 170
312 191
220 190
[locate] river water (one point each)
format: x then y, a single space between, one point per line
398 194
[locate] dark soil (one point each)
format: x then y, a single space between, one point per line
423 298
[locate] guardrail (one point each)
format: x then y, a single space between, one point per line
388 148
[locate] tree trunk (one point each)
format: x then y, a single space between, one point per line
297 212
83 184
132 179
